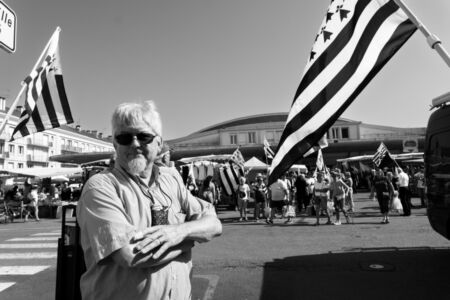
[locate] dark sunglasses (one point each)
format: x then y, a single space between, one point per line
126 139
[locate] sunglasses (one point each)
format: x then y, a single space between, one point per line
126 139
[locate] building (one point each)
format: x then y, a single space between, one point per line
346 138
34 150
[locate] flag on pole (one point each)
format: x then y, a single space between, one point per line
356 39
320 163
267 150
323 143
237 158
46 105
380 154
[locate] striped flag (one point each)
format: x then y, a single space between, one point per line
229 177
355 40
238 158
267 150
380 154
46 104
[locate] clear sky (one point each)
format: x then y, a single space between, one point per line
209 61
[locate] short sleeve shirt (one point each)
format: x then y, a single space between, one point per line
112 208
279 190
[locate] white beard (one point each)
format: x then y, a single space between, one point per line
137 165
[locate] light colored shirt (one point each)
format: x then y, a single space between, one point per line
112 208
403 179
322 189
279 190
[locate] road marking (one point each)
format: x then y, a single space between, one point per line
22 270
28 255
47 233
33 239
212 284
5 285
36 245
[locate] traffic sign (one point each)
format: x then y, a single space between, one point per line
8 28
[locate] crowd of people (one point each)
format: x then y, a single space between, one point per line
320 194
25 201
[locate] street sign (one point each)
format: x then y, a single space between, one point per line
7 28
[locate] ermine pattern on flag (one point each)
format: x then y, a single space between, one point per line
356 39
46 104
380 154
237 157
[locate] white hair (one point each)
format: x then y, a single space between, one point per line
128 114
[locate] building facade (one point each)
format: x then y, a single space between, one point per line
34 150
346 138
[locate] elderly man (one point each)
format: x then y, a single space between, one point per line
138 221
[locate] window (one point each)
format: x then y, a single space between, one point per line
20 165
10 165
345 133
233 139
252 137
11 148
21 150
2 148
334 133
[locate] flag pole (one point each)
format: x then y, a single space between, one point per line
14 104
434 42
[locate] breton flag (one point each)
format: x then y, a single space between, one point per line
238 158
46 105
229 178
267 150
380 154
356 39
323 143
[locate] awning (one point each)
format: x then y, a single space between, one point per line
254 163
42 172
216 158
81 158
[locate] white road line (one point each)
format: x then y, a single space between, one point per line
212 284
30 245
21 270
47 233
34 239
28 255
5 285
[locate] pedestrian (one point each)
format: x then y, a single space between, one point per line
260 191
66 192
208 190
371 178
321 195
278 197
403 191
338 189
138 222
33 205
349 196
384 191
301 193
243 195
420 179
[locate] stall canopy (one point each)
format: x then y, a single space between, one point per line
215 158
254 163
81 158
42 172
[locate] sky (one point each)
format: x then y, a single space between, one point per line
205 62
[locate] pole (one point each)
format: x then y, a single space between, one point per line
14 104
434 42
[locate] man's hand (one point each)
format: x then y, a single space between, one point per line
162 236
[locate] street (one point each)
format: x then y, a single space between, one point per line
405 259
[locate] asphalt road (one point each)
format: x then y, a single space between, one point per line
405 259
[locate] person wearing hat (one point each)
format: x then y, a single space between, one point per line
260 191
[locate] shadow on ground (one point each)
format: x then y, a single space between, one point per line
371 273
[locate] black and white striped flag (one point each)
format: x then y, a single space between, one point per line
356 39
46 104
229 177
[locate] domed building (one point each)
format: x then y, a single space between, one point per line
346 138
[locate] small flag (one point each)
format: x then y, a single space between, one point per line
229 177
356 39
267 150
380 154
237 158
320 163
46 104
